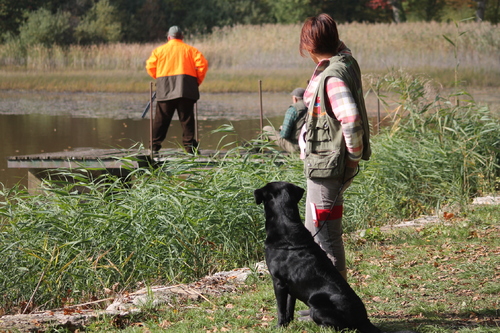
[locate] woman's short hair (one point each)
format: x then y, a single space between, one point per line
319 35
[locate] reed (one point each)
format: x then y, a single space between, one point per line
179 222
79 238
438 151
238 53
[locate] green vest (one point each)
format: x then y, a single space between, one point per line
325 144
301 109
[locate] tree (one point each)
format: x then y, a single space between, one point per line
398 13
493 14
347 10
201 16
286 11
43 27
394 6
153 23
481 8
99 25
12 15
427 10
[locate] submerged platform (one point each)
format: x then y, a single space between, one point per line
102 158
115 161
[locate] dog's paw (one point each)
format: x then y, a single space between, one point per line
304 318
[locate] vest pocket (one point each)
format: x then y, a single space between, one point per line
325 149
324 165
319 138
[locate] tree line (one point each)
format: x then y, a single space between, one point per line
65 22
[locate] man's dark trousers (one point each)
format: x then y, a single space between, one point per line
163 116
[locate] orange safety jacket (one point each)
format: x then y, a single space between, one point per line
178 69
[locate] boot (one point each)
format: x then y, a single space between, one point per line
192 149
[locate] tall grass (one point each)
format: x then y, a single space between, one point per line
117 56
376 46
174 224
436 152
272 51
180 221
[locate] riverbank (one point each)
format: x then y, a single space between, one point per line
178 223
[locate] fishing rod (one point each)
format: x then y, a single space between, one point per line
148 106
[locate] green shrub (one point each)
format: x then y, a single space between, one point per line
99 25
43 27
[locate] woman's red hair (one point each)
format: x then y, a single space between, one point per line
319 35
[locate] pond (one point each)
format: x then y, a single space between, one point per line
36 122
32 123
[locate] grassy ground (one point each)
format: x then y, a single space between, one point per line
179 223
217 81
439 278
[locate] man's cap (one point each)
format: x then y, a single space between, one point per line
298 92
174 32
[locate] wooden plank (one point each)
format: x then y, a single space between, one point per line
70 163
117 158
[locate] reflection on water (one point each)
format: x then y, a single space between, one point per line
32 134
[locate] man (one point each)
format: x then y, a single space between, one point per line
287 137
179 69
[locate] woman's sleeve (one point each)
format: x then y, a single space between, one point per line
345 110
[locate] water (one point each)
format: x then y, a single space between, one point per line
33 122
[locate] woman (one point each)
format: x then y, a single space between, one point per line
336 134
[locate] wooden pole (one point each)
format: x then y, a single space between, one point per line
196 121
378 110
151 111
261 108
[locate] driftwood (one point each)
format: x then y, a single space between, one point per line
76 317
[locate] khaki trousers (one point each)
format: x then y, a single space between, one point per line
274 135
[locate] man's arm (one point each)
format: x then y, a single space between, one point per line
201 65
288 127
151 65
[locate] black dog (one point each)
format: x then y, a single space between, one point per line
300 269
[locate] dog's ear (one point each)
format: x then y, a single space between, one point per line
298 193
258 195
